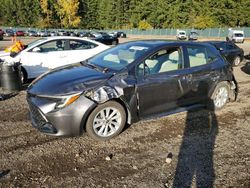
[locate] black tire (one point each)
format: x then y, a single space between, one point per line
236 61
221 92
24 76
115 42
92 132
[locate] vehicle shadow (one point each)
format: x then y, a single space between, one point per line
246 68
195 160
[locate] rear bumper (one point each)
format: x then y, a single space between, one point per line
68 121
240 40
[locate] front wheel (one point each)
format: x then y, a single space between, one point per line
220 96
106 121
23 75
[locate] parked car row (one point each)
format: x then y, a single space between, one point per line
182 35
46 33
105 38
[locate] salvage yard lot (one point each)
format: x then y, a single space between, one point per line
200 146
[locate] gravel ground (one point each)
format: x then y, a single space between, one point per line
197 149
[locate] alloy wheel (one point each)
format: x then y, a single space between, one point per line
107 122
221 97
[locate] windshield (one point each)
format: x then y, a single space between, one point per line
238 35
118 57
36 42
194 34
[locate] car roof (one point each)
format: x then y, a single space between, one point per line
159 43
46 39
216 41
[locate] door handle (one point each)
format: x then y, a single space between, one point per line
63 56
189 77
214 75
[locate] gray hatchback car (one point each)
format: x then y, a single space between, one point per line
127 83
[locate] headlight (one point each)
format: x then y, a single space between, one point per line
102 94
67 101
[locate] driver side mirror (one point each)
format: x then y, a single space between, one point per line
36 49
221 49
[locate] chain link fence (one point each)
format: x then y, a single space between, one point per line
208 33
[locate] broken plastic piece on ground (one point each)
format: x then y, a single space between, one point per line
4 173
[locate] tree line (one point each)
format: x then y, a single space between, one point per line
125 14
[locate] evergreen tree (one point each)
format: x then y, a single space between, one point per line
118 14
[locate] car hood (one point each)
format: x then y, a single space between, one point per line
6 57
4 54
67 80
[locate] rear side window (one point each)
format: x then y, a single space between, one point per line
53 46
81 45
230 46
221 46
199 55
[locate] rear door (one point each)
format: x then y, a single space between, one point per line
203 66
161 82
80 50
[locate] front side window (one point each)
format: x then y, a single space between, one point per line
52 46
81 45
238 35
200 55
164 60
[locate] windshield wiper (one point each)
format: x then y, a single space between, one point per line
93 66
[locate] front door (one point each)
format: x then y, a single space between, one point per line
44 57
160 82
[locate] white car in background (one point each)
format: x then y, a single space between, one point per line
236 36
52 52
181 35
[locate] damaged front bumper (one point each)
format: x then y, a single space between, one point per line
68 121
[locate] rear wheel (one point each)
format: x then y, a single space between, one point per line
106 121
220 96
114 42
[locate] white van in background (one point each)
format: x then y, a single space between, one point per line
236 36
181 35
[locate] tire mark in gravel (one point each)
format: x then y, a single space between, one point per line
16 135
25 142
14 116
10 128
243 82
